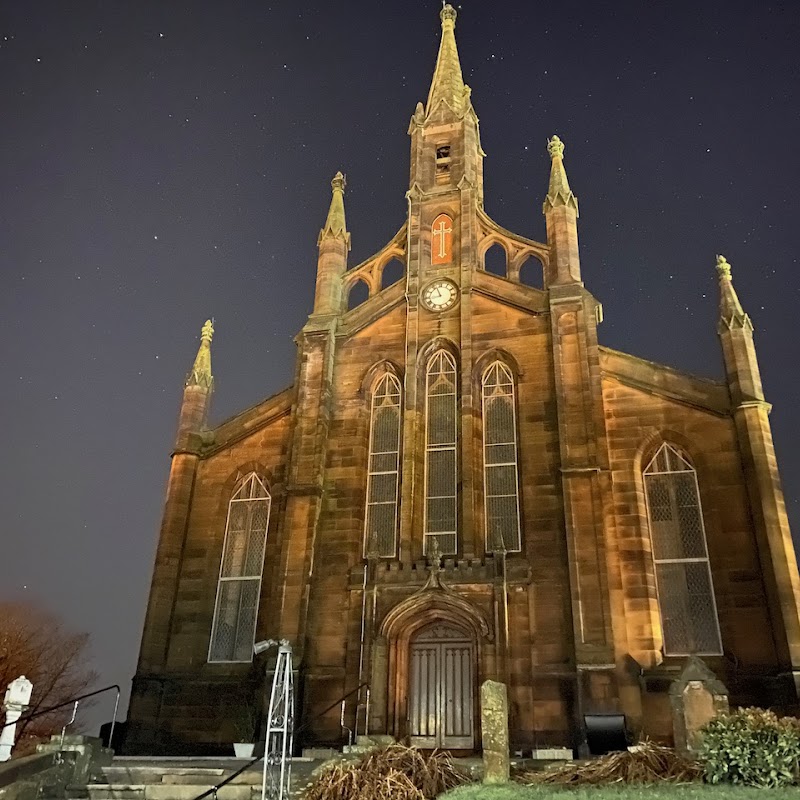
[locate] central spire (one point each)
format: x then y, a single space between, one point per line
448 82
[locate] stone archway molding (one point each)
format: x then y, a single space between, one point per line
431 605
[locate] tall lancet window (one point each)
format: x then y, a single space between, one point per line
441 457
500 460
380 528
683 575
233 630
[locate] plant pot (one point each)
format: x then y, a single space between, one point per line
243 749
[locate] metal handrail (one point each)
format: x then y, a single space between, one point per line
75 700
214 789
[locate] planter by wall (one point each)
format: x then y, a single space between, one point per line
243 749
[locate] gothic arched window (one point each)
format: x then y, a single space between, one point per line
234 626
500 478
683 575
441 456
380 527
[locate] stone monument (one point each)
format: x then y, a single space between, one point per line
696 697
494 724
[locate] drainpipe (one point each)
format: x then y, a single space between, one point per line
409 380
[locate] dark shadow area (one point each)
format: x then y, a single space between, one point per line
393 271
531 273
358 294
494 260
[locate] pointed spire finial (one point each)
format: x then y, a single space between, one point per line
435 556
207 331
558 192
448 81
730 309
555 147
201 370
335 225
448 15
723 267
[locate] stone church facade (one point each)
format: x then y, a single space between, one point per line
462 484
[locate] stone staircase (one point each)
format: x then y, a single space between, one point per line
187 777
164 778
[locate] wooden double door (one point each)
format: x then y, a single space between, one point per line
441 692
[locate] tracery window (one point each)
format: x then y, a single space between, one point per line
441 457
233 629
683 575
500 467
380 527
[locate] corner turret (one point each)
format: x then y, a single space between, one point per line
736 335
560 209
750 413
197 390
334 245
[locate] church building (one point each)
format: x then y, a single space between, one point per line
462 484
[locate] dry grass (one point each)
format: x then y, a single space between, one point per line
651 763
395 773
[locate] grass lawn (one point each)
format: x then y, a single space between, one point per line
696 791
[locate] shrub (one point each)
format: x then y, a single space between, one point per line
751 747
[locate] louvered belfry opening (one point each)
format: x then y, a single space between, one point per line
380 527
233 629
683 574
501 482
441 456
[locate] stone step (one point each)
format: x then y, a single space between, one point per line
169 791
157 774
357 749
161 778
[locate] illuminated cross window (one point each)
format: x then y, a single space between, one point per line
442 240
683 575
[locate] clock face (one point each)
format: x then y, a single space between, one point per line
440 295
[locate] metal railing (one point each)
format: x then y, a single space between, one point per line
73 701
212 792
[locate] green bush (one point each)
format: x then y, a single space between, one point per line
752 747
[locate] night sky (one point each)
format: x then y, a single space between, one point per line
163 162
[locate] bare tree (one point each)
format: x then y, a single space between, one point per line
36 644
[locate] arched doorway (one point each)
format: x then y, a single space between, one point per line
441 687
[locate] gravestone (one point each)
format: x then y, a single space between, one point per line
696 696
494 725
